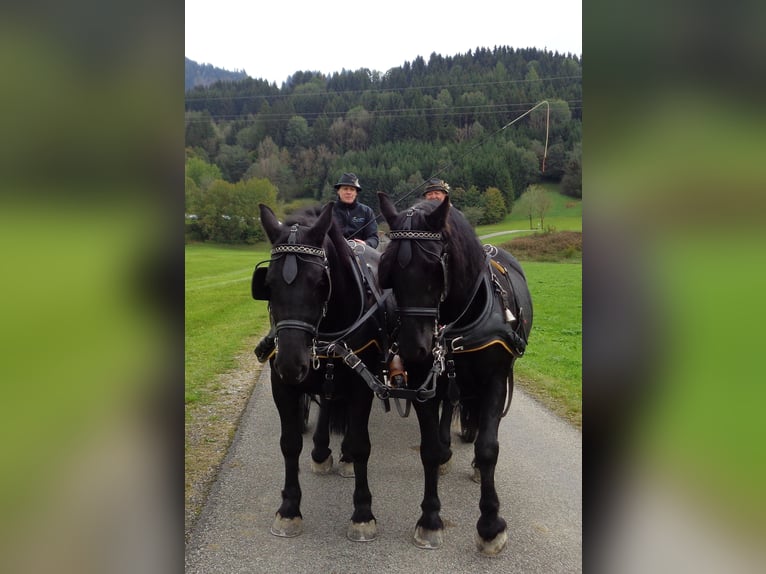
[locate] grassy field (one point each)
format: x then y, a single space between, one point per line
565 214
220 313
551 369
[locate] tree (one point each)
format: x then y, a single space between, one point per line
201 132
494 206
473 215
523 166
233 161
537 203
571 183
525 206
273 164
298 133
463 199
201 172
229 211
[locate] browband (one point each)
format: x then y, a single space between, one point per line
300 249
407 234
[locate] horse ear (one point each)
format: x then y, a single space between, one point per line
387 208
270 223
437 219
322 224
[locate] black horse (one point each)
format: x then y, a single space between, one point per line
465 313
328 313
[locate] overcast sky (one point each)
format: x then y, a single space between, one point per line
273 39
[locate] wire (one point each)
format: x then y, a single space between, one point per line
191 98
484 109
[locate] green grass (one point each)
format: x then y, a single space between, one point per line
565 214
704 422
220 313
551 369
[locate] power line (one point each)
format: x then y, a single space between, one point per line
396 113
204 98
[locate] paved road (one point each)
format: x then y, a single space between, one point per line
496 233
538 478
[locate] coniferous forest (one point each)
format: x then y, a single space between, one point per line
249 141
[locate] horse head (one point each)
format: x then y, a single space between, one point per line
298 279
414 266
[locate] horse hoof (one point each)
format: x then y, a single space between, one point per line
346 469
445 467
287 527
476 477
322 467
362 531
492 547
428 539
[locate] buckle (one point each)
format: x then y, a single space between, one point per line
350 357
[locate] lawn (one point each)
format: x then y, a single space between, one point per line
220 313
565 214
551 369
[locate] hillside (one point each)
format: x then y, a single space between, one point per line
206 74
490 121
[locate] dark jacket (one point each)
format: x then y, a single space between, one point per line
357 221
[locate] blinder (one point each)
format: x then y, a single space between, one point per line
258 287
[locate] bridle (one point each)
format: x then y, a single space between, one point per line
291 252
407 237
441 352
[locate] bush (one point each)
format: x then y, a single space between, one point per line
550 246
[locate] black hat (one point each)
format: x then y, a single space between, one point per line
436 184
349 179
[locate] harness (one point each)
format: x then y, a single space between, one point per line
499 322
492 325
343 344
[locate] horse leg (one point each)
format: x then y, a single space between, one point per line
445 438
346 462
288 521
429 530
491 528
321 455
363 527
